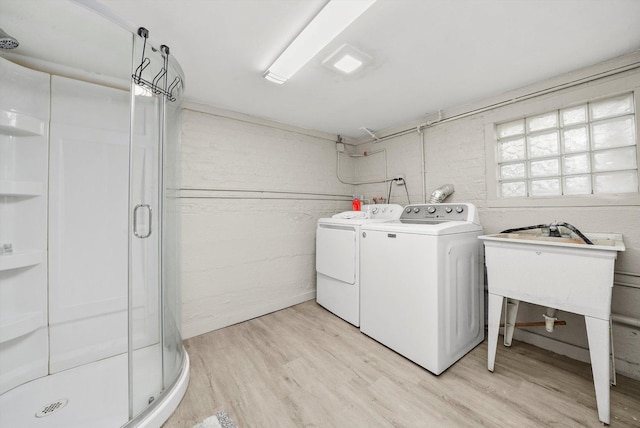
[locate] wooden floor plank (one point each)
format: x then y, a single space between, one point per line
305 367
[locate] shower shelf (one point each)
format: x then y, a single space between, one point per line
19 259
20 188
21 325
20 125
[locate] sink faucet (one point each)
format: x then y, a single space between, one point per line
554 231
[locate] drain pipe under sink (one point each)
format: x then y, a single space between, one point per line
549 319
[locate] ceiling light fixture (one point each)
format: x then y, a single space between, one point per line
347 60
328 23
348 64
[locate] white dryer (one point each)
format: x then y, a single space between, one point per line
421 283
338 258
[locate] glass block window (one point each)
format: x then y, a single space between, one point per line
580 150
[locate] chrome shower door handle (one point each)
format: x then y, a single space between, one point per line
135 220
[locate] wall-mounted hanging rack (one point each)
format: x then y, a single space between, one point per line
158 85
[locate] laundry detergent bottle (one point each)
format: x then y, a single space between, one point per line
356 203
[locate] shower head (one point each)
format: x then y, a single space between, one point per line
6 41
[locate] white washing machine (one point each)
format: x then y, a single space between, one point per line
421 283
338 258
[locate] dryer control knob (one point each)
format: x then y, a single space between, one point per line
459 209
374 210
408 210
416 210
431 210
448 210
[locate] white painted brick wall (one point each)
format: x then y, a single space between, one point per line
403 158
244 257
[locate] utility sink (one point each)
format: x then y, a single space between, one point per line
564 273
561 273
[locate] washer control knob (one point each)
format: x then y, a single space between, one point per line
416 210
409 210
431 210
448 210
374 210
459 209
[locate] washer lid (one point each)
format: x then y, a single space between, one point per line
444 228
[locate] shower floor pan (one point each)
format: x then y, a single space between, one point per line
93 395
561 273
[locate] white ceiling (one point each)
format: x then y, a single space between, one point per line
429 55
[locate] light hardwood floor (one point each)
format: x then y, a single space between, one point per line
304 367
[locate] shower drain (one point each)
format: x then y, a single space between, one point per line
51 408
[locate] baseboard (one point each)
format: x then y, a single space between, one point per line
623 367
219 321
544 342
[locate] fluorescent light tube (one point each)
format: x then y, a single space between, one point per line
328 23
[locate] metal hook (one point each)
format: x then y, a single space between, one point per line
137 77
159 83
156 80
174 85
143 32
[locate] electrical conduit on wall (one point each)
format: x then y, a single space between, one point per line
386 179
221 193
366 154
626 319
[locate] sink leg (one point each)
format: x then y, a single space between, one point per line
598 335
510 315
495 309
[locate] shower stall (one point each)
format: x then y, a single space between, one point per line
89 222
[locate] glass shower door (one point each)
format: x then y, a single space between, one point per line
156 353
171 298
145 345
